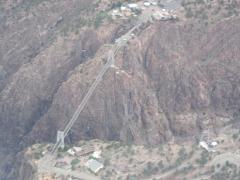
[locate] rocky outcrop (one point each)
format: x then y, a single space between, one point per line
161 87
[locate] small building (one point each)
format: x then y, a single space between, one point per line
63 165
146 3
94 165
133 6
85 151
71 152
116 12
154 3
128 13
123 8
204 145
77 149
214 144
97 154
157 16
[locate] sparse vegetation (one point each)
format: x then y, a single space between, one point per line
203 159
182 155
74 162
235 136
160 165
29 4
99 19
185 169
150 169
38 151
201 10
137 163
227 171
37 155
116 5
107 162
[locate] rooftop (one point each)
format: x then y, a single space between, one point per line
94 165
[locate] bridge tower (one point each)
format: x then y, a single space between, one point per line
60 139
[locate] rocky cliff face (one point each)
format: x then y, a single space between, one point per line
24 168
168 82
160 87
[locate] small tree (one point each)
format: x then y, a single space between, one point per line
204 158
99 19
74 162
189 13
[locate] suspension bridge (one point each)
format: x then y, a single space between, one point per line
119 43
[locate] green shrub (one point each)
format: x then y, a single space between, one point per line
235 136
160 164
37 155
116 5
150 169
182 156
189 13
99 19
107 162
75 162
28 4
204 158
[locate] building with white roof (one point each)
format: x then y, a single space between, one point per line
97 154
214 143
71 152
77 149
204 145
123 8
94 165
133 6
146 3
